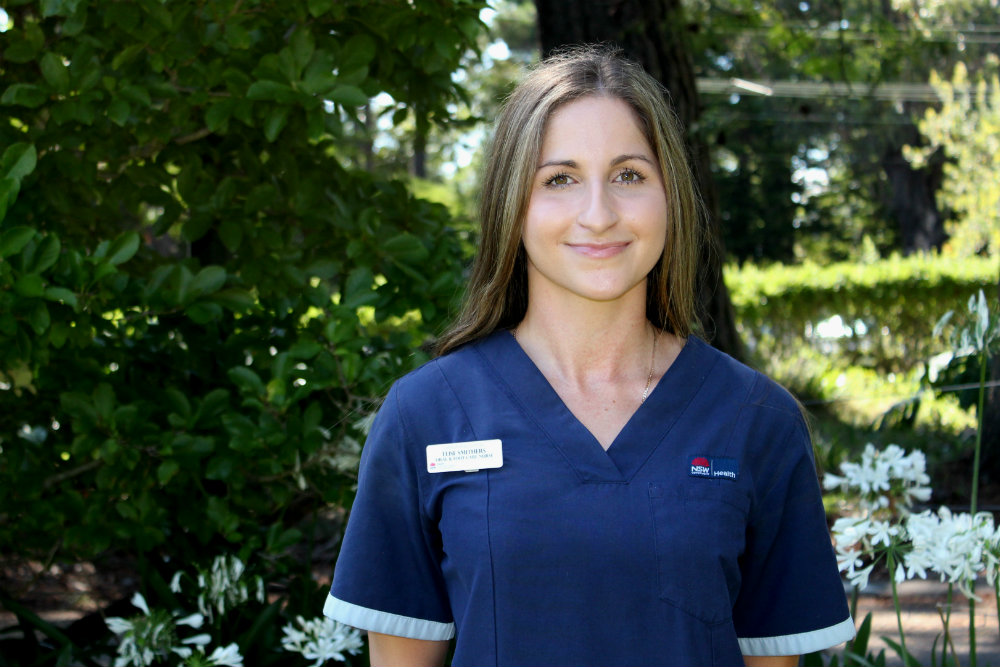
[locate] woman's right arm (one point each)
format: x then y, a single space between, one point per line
392 651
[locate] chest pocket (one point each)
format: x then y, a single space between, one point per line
699 533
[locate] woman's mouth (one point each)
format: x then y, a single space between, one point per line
598 250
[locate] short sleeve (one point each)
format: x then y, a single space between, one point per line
387 578
792 599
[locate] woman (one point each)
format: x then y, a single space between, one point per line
577 479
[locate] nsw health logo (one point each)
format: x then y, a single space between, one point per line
715 468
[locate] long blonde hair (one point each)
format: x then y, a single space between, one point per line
497 293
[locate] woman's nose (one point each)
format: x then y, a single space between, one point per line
598 211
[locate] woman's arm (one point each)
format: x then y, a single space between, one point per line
392 651
770 660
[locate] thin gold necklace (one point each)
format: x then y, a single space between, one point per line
652 362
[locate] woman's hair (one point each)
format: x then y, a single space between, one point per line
497 293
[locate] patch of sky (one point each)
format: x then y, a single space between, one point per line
724 62
836 327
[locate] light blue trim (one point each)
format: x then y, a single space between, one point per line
364 618
803 642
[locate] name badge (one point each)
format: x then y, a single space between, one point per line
464 456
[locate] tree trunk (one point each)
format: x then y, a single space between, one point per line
654 33
911 198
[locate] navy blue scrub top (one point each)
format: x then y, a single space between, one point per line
697 537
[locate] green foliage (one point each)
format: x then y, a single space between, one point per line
967 127
201 302
848 137
884 308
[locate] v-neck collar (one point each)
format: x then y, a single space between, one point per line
642 433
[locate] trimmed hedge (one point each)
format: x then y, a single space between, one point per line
887 309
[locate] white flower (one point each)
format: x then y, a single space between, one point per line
175 582
321 639
198 640
193 621
152 635
953 545
139 601
859 578
223 587
118 625
882 532
884 479
831 482
227 656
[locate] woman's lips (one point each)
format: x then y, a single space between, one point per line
598 250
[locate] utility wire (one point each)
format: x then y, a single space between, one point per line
893 91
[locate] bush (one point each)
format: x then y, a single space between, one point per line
201 297
877 315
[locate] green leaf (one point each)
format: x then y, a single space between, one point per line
406 248
24 94
358 287
61 295
38 317
203 312
8 194
220 468
118 111
56 74
127 55
217 116
348 96
184 278
137 95
278 542
318 82
236 300
319 7
231 233
271 91
47 253
248 381
166 471
323 268
18 161
13 240
29 285
59 7
123 248
359 51
302 45
104 401
209 279
275 122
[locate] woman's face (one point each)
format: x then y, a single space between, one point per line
597 214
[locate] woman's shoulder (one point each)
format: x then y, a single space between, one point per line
437 375
750 386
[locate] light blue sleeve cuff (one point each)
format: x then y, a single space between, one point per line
383 622
798 644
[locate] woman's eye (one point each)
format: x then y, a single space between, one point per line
558 180
630 176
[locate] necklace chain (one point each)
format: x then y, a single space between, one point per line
652 363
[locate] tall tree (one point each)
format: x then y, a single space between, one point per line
654 33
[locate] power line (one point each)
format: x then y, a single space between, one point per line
973 34
897 91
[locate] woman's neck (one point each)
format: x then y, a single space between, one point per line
582 342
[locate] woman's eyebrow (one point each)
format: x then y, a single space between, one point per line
558 163
632 156
572 164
